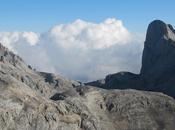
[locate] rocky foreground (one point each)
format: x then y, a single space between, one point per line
31 100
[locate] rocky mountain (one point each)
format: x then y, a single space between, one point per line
158 65
31 100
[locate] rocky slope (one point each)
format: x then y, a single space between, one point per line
158 65
31 100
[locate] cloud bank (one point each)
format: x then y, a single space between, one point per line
79 50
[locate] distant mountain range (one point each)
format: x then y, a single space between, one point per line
32 100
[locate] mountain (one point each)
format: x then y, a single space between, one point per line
158 65
32 100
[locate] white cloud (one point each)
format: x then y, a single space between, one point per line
31 37
12 39
80 50
90 35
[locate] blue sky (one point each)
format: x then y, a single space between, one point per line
41 15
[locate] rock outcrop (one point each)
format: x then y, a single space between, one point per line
158 65
31 100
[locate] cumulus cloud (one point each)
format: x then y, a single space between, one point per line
79 50
88 35
12 39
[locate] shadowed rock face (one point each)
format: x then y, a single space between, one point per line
158 53
158 64
31 100
124 79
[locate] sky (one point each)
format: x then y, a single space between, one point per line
40 15
80 39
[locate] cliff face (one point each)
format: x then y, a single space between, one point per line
158 53
158 64
31 100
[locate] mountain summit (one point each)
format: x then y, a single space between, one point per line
32 100
159 47
158 64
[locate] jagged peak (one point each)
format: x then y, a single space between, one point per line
155 31
158 29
